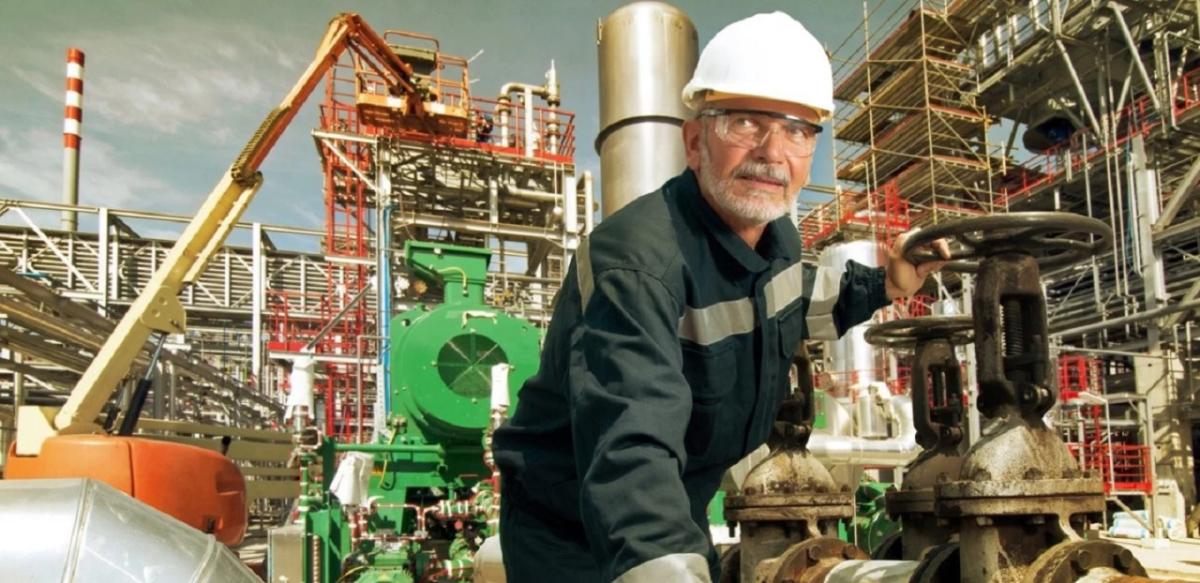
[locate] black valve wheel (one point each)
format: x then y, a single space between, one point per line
1054 239
908 332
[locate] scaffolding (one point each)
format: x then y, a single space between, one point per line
959 108
912 146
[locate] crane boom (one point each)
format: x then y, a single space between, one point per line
158 308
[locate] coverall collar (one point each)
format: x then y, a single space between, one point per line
780 240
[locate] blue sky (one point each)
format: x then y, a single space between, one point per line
173 89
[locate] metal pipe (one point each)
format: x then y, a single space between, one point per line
872 572
532 194
1182 193
477 227
72 125
6 203
1087 105
834 450
389 448
1187 227
336 318
1138 317
1137 58
897 451
589 202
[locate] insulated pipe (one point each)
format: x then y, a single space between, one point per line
897 451
872 572
72 124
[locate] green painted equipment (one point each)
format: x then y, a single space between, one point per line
871 524
430 499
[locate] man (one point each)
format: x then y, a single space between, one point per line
667 357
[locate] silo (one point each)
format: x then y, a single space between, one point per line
647 53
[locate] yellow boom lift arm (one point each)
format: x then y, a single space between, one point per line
158 307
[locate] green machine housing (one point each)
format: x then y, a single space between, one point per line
431 484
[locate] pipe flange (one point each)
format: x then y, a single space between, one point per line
1067 497
812 560
1069 561
1055 239
910 502
789 507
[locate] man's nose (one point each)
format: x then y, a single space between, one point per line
771 147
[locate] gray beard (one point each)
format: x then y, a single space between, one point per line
755 208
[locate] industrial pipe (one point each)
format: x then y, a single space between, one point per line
873 572
1138 317
894 452
389 448
589 203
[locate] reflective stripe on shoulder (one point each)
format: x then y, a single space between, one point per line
827 286
711 324
784 288
583 273
676 568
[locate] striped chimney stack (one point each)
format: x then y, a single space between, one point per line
72 121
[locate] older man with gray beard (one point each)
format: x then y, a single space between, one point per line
667 357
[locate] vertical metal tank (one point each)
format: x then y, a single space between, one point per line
647 54
853 359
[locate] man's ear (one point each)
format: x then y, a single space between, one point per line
693 134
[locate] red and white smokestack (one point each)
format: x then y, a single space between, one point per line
72 121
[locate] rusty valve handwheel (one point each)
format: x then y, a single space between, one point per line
1055 239
908 332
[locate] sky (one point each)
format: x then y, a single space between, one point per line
173 89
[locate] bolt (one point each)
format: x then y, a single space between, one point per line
1082 561
1037 520
983 521
1125 559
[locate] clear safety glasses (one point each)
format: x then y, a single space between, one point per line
746 128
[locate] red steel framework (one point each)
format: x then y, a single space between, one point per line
1123 464
357 104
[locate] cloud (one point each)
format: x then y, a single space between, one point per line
31 168
173 77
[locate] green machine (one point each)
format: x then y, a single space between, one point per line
429 498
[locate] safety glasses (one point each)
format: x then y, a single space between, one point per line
747 128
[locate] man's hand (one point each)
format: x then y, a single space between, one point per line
904 278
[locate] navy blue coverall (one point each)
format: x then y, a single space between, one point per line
665 363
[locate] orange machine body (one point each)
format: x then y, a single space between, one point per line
199 487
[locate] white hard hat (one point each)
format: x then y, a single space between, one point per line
766 55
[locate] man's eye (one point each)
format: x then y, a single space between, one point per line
799 130
743 123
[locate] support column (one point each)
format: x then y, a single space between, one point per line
258 283
103 266
1144 187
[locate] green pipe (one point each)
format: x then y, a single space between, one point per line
389 448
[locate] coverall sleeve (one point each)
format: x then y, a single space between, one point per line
842 298
630 408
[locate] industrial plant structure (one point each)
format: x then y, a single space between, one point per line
1027 414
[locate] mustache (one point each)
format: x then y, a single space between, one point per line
762 171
